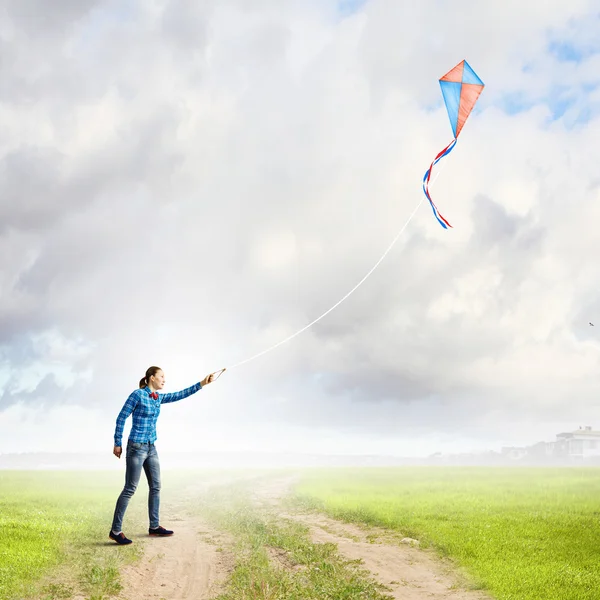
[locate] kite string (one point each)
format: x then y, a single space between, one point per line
348 294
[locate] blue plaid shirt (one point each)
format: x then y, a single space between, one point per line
145 413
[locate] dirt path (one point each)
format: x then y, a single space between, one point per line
194 564
191 564
408 572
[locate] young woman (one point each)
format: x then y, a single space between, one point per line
144 403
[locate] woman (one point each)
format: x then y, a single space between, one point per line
145 404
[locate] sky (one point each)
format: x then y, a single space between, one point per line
186 184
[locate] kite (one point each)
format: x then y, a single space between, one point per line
461 88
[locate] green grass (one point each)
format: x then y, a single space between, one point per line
526 534
55 532
275 558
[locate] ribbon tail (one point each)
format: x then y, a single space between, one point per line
441 220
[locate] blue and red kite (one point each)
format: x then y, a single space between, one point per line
461 88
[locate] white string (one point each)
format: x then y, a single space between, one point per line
348 294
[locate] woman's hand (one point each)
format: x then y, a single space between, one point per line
117 451
210 378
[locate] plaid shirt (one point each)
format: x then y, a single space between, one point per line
145 413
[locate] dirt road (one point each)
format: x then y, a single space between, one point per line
196 562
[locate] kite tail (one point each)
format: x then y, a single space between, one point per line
442 221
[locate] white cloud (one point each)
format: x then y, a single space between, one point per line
187 186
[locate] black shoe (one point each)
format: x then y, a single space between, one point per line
120 539
160 530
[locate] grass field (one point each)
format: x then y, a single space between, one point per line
523 534
54 531
519 533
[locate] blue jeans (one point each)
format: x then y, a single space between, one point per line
138 456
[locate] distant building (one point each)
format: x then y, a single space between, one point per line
581 443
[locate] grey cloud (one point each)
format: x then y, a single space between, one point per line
186 23
35 65
46 393
16 320
513 242
31 188
495 228
34 18
209 204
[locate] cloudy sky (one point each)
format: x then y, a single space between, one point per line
186 184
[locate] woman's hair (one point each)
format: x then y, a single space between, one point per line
151 371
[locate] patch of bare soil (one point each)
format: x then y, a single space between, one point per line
280 559
191 564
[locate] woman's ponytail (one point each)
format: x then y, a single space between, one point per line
144 380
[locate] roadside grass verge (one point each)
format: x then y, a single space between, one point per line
521 533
